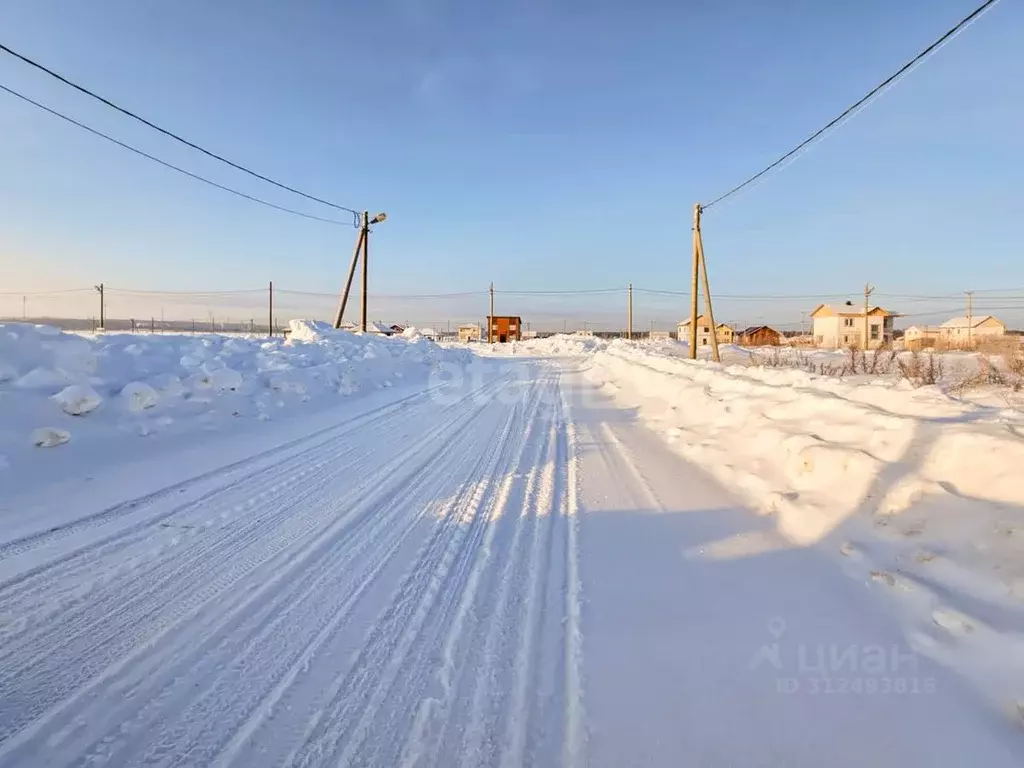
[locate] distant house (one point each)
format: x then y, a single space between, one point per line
959 332
726 334
920 337
759 336
659 335
504 328
383 330
469 332
838 327
703 331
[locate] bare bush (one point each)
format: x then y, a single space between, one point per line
1013 361
920 370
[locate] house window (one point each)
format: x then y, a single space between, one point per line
874 332
704 342
704 329
846 339
848 322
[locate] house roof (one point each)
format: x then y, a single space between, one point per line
826 310
961 322
755 328
700 319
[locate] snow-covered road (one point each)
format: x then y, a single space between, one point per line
503 571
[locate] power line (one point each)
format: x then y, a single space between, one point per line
164 163
172 135
582 292
145 292
334 296
864 100
47 293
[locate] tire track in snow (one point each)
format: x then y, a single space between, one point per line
210 738
21 591
503 653
25 543
228 668
357 698
433 713
514 741
55 574
181 615
89 608
575 716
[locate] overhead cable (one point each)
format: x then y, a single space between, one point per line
164 163
863 100
171 134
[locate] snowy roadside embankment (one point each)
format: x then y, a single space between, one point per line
921 492
90 393
559 345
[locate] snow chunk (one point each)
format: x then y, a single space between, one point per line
41 378
309 330
48 437
140 396
225 378
77 399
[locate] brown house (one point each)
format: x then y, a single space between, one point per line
759 336
502 328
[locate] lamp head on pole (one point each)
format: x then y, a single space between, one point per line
379 218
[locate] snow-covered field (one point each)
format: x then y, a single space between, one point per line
349 551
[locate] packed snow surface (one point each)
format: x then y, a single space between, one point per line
578 554
918 491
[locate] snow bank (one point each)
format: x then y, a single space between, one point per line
559 345
921 492
108 387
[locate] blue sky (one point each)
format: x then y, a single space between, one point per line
541 144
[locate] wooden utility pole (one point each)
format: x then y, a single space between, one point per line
868 290
270 308
709 312
970 318
490 319
693 282
366 267
351 274
629 324
99 288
